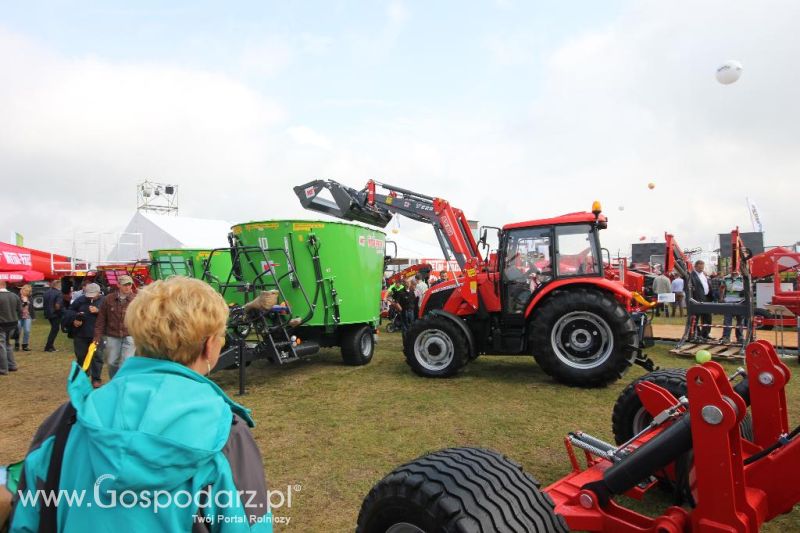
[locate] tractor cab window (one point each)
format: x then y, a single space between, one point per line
577 251
526 266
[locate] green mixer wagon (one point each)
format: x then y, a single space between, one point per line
210 267
325 281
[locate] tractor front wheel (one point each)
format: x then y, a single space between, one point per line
583 337
435 347
458 490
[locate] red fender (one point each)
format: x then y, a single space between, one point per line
622 294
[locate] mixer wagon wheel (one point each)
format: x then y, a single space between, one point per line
358 345
458 490
583 337
435 347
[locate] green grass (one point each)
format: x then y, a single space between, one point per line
336 430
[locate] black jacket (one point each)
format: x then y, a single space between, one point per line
405 298
79 310
51 298
697 289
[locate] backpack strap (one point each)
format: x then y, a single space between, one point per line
48 514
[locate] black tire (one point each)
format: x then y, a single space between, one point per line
435 347
358 345
593 318
629 418
461 490
390 327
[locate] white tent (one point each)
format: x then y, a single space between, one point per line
148 231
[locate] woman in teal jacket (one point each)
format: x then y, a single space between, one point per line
158 448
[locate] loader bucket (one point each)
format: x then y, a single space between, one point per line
345 203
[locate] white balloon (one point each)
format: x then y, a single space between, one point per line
729 72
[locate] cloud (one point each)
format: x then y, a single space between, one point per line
78 133
398 12
305 136
268 57
512 49
613 109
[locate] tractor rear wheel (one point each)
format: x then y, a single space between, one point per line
583 337
358 345
458 490
435 347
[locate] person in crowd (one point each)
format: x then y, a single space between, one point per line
10 312
442 277
53 309
26 318
159 425
110 330
394 287
662 285
405 302
701 292
732 289
80 319
74 295
420 289
679 304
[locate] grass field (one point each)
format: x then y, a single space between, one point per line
336 430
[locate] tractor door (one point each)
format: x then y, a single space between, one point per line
526 266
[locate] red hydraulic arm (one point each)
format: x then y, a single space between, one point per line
674 258
371 207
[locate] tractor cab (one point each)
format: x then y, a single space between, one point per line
536 253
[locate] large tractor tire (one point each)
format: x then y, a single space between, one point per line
358 345
583 337
435 347
458 490
630 417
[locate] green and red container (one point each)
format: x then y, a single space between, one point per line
350 261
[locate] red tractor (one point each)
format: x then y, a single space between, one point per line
544 292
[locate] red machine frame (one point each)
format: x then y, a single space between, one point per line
739 484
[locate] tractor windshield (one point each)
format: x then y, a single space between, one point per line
576 247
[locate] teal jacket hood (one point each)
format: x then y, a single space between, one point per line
154 425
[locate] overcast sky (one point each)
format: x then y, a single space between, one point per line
511 110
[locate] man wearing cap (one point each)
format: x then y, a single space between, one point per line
110 327
80 321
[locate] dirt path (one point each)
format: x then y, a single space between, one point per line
675 331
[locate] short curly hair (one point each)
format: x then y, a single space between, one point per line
172 318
